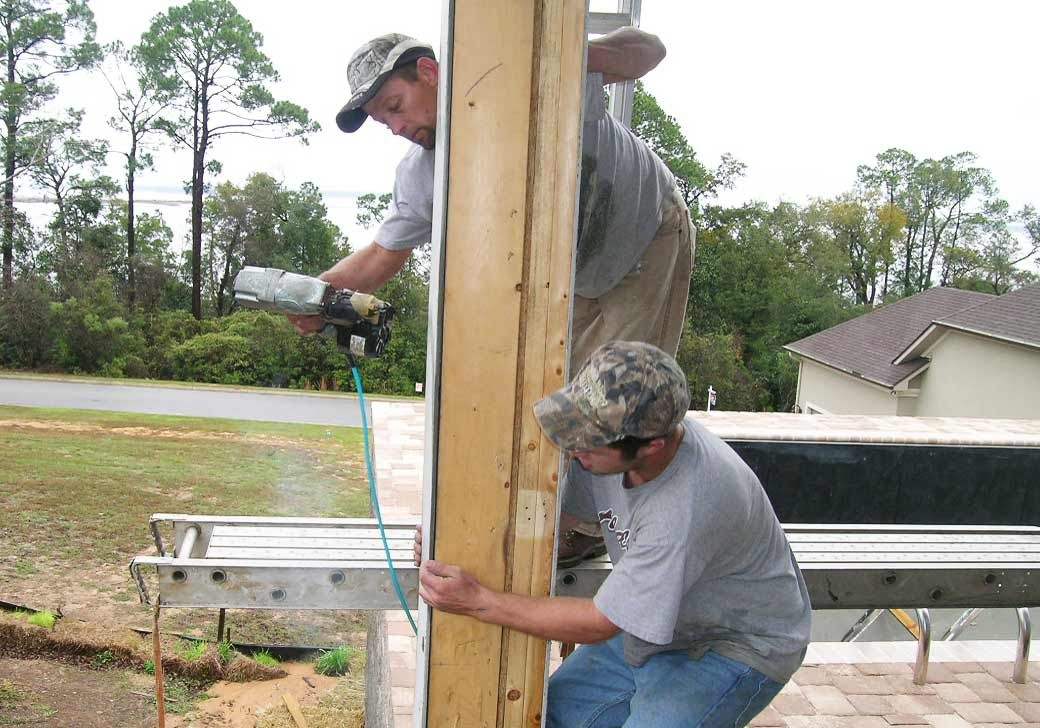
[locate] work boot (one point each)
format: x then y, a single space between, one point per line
575 547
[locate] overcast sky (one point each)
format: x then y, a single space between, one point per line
800 91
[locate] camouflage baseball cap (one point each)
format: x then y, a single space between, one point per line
627 388
370 66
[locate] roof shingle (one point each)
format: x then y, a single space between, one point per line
1015 316
866 346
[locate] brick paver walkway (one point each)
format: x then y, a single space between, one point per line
842 685
869 695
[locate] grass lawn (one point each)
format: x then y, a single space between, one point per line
77 488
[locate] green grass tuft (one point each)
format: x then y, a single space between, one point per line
149 667
226 650
192 650
44 619
182 695
9 695
265 658
334 662
18 707
102 660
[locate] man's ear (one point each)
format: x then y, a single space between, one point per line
652 447
428 70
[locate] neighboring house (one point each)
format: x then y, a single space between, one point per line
941 353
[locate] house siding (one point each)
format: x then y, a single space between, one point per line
972 376
840 394
906 406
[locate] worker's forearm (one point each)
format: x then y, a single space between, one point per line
625 54
367 269
567 619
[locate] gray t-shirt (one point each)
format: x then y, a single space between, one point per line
700 561
623 187
409 220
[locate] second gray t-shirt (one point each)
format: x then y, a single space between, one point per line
623 187
700 561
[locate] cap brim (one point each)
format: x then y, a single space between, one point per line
352 116
567 426
350 119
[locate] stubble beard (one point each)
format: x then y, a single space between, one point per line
428 137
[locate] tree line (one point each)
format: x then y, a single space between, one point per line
99 289
769 275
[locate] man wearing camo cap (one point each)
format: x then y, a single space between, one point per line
705 615
635 240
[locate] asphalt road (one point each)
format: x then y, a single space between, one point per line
273 406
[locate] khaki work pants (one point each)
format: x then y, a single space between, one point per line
649 304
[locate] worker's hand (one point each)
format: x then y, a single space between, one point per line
451 589
417 547
306 324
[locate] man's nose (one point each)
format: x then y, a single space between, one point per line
396 127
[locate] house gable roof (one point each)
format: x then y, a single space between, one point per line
1013 317
867 347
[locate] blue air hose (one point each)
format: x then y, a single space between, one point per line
375 503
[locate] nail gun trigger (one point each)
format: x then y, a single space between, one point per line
357 345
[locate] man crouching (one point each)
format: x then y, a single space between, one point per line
704 615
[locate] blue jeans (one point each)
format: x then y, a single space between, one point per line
596 688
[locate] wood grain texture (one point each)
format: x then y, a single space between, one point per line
293 707
513 170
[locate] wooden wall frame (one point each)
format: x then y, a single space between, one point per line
512 162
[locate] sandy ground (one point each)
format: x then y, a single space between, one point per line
54 694
267 440
239 705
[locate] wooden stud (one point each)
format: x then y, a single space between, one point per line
517 85
293 707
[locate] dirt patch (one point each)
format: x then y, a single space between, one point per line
167 434
86 600
94 644
51 694
240 705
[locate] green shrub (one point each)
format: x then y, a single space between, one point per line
26 325
91 331
247 347
314 358
272 339
714 360
161 333
127 365
218 358
334 662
